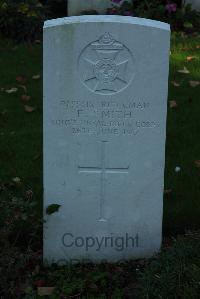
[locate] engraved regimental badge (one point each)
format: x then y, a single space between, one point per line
106 66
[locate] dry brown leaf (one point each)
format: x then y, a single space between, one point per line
176 84
184 71
197 163
185 49
25 98
23 87
37 156
16 180
194 83
45 291
12 90
190 58
36 77
167 191
21 79
172 104
29 109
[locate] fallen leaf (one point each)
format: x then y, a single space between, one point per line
40 283
172 104
16 180
177 169
198 46
12 90
184 71
45 291
183 35
29 195
197 163
190 58
185 49
29 109
36 77
23 87
188 25
25 98
194 83
167 191
21 79
51 209
37 156
176 84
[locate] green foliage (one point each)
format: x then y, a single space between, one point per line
21 20
20 231
180 17
174 273
18 217
55 8
92 281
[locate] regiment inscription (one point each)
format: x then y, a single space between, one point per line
106 66
104 117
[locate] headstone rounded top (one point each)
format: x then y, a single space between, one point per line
106 19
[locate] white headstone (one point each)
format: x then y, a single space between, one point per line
76 7
105 106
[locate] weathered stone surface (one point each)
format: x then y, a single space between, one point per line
105 105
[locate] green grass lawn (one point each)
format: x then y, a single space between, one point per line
21 131
182 205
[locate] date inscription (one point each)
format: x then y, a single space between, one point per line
104 117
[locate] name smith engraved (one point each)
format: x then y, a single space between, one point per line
103 117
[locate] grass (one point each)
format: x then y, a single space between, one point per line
21 132
182 205
175 272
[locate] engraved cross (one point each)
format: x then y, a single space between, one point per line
103 170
